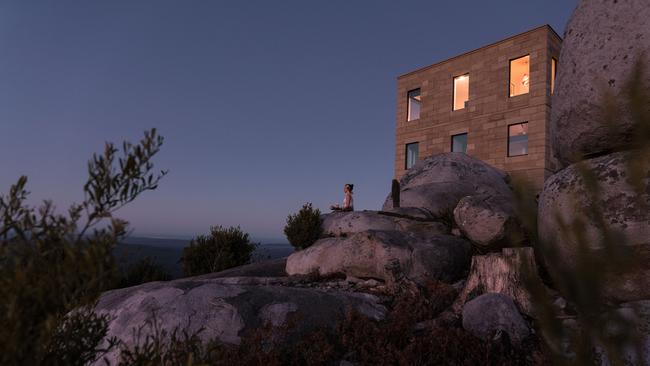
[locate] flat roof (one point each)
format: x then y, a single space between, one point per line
482 48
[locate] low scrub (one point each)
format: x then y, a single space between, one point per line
143 271
304 227
223 248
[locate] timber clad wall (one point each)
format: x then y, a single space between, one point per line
490 109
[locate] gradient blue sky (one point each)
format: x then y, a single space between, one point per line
264 105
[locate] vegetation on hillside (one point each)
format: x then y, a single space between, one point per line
223 248
144 270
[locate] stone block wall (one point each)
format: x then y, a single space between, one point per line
490 110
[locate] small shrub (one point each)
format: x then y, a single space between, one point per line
220 250
304 228
154 345
143 271
78 341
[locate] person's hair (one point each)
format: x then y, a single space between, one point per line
351 186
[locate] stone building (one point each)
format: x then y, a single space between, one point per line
493 103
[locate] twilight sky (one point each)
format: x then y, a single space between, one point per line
264 105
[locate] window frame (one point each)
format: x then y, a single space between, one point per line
508 140
453 92
451 140
530 78
406 154
408 104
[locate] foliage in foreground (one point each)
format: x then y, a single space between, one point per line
597 325
304 227
53 263
223 248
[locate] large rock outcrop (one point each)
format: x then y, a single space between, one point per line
347 223
489 221
438 182
490 313
565 196
265 268
385 255
225 308
602 42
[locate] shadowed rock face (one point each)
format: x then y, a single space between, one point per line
489 221
413 213
602 42
489 313
265 268
225 311
638 315
385 255
438 182
347 223
565 195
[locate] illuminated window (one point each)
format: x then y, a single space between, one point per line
412 152
459 143
518 139
414 101
553 73
519 76
461 91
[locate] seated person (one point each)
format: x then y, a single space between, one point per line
348 201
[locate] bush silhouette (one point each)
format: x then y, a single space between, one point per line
304 228
143 271
220 250
53 266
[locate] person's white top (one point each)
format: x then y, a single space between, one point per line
348 201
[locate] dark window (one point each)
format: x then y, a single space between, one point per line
459 143
518 139
412 152
414 101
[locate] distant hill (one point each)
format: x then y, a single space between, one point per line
167 252
156 242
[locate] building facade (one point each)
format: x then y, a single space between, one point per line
492 103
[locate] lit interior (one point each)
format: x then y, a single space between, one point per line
520 76
553 72
461 91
